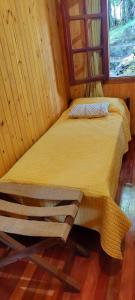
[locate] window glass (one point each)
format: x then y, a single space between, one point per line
88 65
77 33
75 8
95 63
93 7
94 26
80 65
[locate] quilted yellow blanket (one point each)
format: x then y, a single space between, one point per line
85 154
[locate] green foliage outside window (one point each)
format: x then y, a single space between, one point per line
122 37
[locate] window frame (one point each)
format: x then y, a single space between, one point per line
121 79
103 16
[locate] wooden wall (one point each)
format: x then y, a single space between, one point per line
33 91
122 90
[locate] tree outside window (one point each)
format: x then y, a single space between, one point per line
122 37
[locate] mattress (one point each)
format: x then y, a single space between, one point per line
84 154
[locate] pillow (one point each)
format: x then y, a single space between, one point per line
89 110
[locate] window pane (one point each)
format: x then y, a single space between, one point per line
122 38
94 33
95 63
75 7
93 7
87 65
77 34
80 66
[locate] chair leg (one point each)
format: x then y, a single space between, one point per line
59 274
79 248
26 251
22 251
69 260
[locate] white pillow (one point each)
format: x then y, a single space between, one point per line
89 110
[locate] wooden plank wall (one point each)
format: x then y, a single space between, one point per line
122 90
33 91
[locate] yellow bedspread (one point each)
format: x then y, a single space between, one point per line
85 154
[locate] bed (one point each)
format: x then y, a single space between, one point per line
85 154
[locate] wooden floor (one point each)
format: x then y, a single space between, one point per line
101 277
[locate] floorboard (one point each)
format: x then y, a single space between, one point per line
101 277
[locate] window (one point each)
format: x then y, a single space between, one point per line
122 37
86 31
86 39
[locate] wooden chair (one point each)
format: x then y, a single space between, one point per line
39 221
